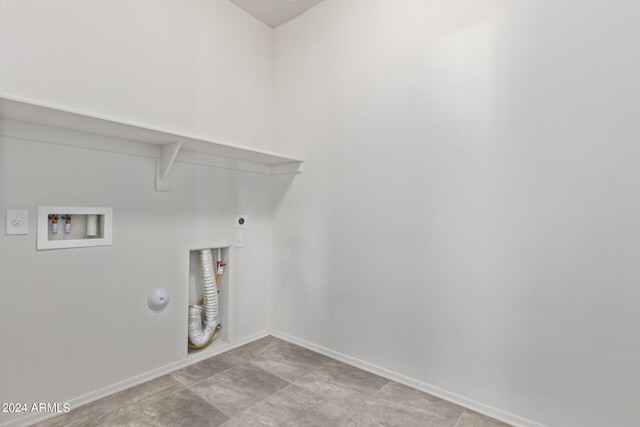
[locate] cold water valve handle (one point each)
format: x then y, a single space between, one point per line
67 223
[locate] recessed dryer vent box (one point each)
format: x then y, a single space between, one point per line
73 227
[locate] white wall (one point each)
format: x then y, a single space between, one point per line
76 320
195 66
466 218
468 214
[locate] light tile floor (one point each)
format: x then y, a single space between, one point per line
270 382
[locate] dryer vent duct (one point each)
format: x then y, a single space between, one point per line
203 329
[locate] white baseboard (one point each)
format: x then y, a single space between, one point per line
216 348
399 378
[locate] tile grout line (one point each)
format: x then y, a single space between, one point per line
262 400
141 403
230 416
241 361
460 417
289 383
248 362
206 379
211 404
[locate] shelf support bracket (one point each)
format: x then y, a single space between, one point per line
164 163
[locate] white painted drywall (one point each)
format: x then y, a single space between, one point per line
195 66
467 215
74 321
470 207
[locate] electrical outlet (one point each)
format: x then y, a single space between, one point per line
17 221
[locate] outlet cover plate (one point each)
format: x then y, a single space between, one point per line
17 221
242 220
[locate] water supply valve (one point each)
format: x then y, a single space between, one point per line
221 267
67 223
54 223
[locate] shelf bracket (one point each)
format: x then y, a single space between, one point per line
164 163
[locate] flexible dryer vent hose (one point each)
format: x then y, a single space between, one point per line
203 331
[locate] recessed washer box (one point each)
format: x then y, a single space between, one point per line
62 227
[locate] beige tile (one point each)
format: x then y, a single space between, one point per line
79 417
289 361
256 348
295 406
129 400
206 369
473 419
342 383
359 420
181 409
402 406
238 388
244 420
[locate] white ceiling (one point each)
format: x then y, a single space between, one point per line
275 12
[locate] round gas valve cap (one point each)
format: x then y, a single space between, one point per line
158 299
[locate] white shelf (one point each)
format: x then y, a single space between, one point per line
172 143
